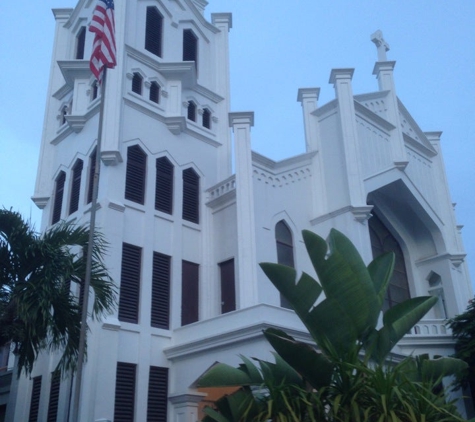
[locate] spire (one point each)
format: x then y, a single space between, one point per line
381 45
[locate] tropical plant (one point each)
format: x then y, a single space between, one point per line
349 373
37 309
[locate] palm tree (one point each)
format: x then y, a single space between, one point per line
38 310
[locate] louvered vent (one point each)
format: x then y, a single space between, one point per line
190 47
157 394
164 185
190 292
54 397
58 197
191 186
130 283
135 174
154 92
75 187
153 31
207 118
160 291
137 80
124 406
92 169
35 400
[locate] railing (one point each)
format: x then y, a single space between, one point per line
431 327
221 188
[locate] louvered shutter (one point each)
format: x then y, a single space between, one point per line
190 47
135 174
154 92
164 185
92 170
160 313
189 292
54 397
228 290
75 187
130 283
157 394
58 197
137 80
191 185
35 400
285 252
80 43
207 118
124 406
191 111
153 31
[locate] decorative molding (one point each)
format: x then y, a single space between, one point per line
111 323
401 165
116 206
76 123
185 398
362 213
176 124
111 158
40 201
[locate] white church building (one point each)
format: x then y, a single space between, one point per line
189 210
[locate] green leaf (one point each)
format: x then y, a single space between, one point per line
222 375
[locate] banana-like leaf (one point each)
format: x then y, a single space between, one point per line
397 322
238 406
314 367
435 369
381 270
222 375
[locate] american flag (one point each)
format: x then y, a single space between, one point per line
103 49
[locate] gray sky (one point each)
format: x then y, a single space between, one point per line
276 47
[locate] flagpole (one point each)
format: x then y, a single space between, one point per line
87 281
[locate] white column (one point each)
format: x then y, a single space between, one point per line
246 260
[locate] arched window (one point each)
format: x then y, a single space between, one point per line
137 80
80 43
191 113
135 174
383 241
64 113
153 31
164 185
285 251
190 47
58 197
154 92
206 118
95 90
75 187
92 170
191 196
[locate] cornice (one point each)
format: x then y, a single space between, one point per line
74 69
371 115
276 167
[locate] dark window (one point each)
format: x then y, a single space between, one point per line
190 292
137 80
164 185
383 241
160 291
92 169
75 187
95 90
285 252
153 31
157 394
207 118
191 195
155 92
228 290
124 405
135 174
4 355
58 197
80 43
190 47
54 396
64 113
35 400
130 283
191 111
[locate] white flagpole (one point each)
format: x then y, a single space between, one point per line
87 281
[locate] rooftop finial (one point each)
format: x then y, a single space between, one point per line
381 45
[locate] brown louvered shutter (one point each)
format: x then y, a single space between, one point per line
124 406
153 31
154 92
130 283
160 312
35 400
164 185
190 47
191 195
92 170
189 292
228 290
75 187
157 394
54 396
80 43
58 197
135 174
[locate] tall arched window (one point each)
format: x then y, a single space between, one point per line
191 112
153 31
285 251
137 80
80 43
190 47
191 196
164 185
206 118
58 197
383 241
154 92
75 187
135 174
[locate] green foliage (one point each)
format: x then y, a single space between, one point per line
347 377
37 310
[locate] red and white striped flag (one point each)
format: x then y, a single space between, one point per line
103 49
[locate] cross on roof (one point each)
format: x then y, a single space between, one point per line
381 45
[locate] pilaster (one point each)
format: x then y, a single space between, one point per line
185 406
246 232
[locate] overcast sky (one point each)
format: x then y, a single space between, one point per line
276 47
